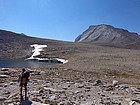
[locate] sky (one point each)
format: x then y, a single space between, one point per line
66 19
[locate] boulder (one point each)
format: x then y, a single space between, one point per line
4 76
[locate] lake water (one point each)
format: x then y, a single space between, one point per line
22 63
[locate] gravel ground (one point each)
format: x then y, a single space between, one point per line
94 75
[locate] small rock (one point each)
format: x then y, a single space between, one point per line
115 82
2 98
7 92
36 99
13 95
134 102
42 72
80 86
47 101
12 83
87 87
62 103
97 83
78 91
123 87
5 69
65 88
4 76
36 72
1 85
41 91
109 88
63 96
10 104
53 97
5 85
6 73
16 99
87 90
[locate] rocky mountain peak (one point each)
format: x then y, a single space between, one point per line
109 36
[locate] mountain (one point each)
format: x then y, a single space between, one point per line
16 46
108 35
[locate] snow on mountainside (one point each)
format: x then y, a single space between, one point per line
15 46
109 36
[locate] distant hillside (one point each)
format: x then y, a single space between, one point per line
109 36
13 45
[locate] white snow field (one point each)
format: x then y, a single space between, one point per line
38 49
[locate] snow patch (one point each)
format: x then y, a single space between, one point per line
36 52
62 60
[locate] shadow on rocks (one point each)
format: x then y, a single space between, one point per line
26 102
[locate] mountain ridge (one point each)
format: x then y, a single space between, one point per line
17 46
108 35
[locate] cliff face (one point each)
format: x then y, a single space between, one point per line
110 36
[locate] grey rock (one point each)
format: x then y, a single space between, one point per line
6 93
5 72
36 72
109 88
78 91
53 97
4 69
2 98
81 86
65 88
61 103
115 82
4 76
110 36
12 83
134 102
5 85
123 87
63 96
97 83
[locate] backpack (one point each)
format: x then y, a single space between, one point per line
24 77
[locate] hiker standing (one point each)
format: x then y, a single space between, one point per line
23 80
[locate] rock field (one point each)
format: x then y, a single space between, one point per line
61 91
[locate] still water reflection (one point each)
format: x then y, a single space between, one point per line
22 63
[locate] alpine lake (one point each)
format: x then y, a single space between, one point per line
20 63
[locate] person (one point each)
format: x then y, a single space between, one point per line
23 81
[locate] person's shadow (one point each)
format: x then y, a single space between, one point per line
26 102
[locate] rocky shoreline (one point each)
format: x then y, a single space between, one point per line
62 91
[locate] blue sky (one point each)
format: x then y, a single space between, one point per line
66 19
